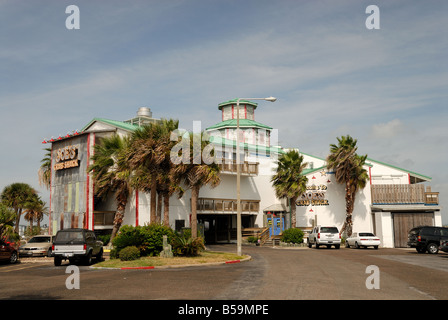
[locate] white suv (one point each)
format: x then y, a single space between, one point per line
324 236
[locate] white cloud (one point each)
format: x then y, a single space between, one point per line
388 130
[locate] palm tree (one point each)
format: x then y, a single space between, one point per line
112 174
349 170
7 218
288 181
44 171
16 196
148 151
150 159
197 174
35 209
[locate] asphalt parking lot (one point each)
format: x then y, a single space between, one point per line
271 274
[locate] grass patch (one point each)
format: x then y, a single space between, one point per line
203 257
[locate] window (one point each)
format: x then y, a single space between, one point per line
366 234
329 230
179 224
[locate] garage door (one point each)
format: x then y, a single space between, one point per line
403 222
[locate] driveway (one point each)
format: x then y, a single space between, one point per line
271 274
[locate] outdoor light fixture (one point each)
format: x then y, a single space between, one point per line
238 171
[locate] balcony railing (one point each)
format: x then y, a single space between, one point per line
403 194
248 168
211 205
431 198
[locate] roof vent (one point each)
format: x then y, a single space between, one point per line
144 112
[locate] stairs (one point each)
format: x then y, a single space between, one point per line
272 241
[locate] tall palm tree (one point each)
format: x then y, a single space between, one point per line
288 181
112 174
147 157
35 209
195 174
349 170
44 171
15 196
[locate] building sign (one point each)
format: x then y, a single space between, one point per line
66 158
314 196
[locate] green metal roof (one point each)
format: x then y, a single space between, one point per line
115 123
244 123
234 101
415 174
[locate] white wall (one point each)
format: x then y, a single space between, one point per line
385 229
335 212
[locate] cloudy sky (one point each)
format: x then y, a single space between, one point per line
332 76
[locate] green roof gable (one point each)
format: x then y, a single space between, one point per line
115 123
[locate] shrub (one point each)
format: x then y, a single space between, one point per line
292 235
129 253
105 238
148 238
252 239
183 246
152 236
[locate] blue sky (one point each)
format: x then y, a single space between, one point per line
332 76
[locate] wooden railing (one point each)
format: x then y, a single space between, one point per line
403 194
228 166
213 205
431 198
264 236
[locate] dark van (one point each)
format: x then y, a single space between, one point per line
427 238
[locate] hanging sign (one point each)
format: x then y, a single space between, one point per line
66 158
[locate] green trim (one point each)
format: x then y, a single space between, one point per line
244 123
115 123
234 101
418 175
216 140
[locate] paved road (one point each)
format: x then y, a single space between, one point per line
272 274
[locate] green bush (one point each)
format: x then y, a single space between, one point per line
104 238
129 253
252 239
148 239
292 235
183 246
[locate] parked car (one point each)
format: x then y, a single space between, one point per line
8 252
328 236
362 239
37 246
427 238
76 244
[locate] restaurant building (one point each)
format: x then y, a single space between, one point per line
393 201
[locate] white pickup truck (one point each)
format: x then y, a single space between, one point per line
76 244
328 236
